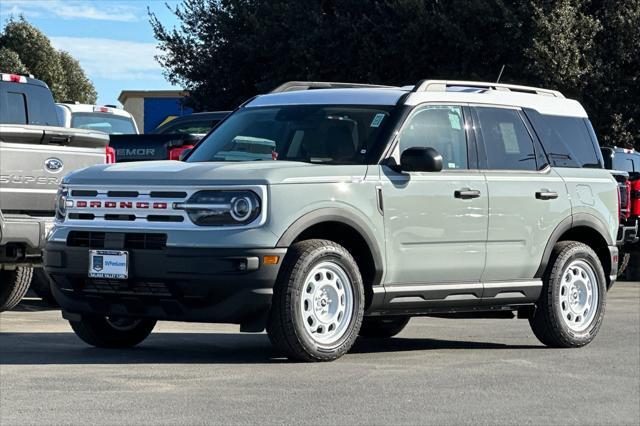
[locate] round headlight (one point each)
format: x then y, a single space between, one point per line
241 208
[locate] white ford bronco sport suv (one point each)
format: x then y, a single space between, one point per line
330 213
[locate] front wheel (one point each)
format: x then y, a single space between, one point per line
572 303
112 332
318 302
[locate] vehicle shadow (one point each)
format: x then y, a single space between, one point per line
194 348
34 305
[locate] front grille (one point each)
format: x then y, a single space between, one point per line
124 288
127 206
94 240
145 241
132 241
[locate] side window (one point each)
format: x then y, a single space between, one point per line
16 112
568 141
440 127
507 142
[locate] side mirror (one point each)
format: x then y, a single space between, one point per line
184 154
421 160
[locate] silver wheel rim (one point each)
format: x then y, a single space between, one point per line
122 324
326 303
579 295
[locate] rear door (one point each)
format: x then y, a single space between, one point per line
527 201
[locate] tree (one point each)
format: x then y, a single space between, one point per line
36 53
26 50
226 51
10 62
78 87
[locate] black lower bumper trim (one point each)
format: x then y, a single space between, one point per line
176 284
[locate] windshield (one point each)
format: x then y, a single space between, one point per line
309 133
103 122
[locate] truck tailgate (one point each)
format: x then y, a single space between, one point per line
148 147
34 159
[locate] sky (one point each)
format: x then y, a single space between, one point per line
112 39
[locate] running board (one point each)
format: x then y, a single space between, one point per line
454 297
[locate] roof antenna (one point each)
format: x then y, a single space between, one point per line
500 75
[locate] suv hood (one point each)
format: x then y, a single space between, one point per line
176 173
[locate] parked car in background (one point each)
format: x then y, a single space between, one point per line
168 141
352 210
199 123
625 166
103 118
35 154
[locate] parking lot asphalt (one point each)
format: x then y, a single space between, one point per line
437 371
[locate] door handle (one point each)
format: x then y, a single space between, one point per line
546 195
466 193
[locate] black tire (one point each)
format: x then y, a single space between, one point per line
623 262
547 322
14 284
41 285
383 327
107 333
285 325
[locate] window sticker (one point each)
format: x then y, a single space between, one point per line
452 166
509 138
454 119
377 120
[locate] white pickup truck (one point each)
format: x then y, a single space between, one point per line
35 154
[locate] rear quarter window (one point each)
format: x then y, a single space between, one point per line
568 141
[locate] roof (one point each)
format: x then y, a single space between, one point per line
126 94
91 108
545 101
363 96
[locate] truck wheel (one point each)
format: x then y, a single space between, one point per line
572 303
112 332
383 327
623 262
41 284
13 286
318 302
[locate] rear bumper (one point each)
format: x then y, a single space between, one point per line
173 283
629 233
22 238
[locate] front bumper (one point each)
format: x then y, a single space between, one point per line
169 283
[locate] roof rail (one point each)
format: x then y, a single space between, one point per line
292 86
442 85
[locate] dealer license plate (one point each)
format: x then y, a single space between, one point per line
112 264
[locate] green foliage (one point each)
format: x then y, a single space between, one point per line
79 87
226 51
25 49
10 62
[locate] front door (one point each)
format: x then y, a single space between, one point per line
435 223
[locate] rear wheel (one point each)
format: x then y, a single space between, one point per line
383 327
317 303
112 332
14 284
572 303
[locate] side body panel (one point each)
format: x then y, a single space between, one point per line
520 223
593 192
431 236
